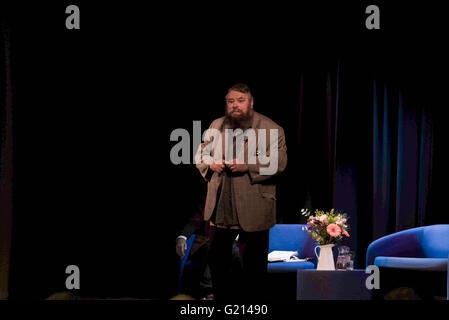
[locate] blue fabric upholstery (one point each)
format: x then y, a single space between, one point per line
423 242
416 250
183 261
278 267
291 237
429 264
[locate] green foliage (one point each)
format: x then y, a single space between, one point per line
326 227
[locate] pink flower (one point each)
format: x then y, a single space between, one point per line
345 233
333 230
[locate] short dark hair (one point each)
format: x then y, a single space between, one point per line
241 87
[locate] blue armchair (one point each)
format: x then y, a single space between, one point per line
413 250
291 237
423 248
183 261
284 237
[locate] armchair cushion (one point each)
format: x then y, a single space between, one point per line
279 267
428 264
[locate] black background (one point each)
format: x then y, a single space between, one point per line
94 109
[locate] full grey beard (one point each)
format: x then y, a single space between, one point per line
238 120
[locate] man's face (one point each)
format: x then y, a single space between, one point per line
239 106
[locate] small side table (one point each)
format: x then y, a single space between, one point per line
332 285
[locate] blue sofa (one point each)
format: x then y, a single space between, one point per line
291 237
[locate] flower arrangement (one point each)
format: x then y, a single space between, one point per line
326 227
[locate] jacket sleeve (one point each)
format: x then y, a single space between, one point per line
203 166
194 225
205 153
276 152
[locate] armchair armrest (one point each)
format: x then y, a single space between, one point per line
183 261
401 244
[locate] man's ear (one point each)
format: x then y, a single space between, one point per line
252 102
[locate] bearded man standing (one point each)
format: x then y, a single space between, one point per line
241 154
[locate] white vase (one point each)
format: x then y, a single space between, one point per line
326 257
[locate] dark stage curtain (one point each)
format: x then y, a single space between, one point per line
371 137
5 160
363 115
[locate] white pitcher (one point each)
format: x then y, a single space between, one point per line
326 257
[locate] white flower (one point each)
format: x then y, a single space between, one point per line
322 218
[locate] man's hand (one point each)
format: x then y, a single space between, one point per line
236 166
181 247
217 166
